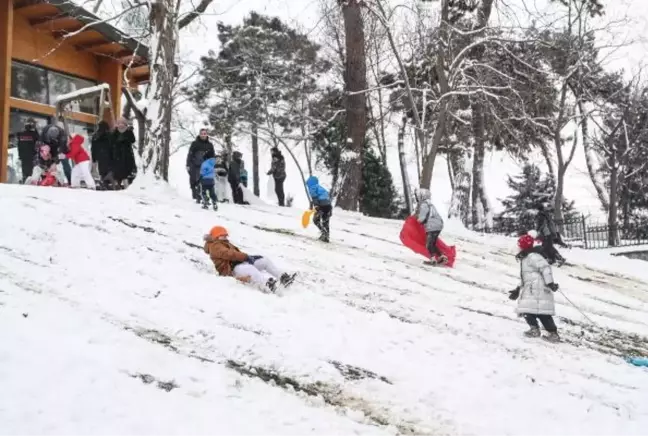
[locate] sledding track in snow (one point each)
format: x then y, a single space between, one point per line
368 338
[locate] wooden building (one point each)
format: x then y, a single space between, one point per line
53 47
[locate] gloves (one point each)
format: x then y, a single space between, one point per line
514 294
553 286
252 259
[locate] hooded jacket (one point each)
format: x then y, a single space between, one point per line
535 296
207 169
427 214
224 255
319 196
278 165
77 153
198 152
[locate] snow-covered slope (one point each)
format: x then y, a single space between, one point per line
113 321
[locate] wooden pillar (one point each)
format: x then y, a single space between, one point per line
111 72
6 36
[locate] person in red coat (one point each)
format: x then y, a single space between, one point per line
81 171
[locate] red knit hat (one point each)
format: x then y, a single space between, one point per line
526 242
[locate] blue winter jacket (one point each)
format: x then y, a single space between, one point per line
319 195
207 169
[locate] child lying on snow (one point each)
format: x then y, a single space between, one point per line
535 294
230 261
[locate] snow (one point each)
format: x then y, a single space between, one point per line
108 303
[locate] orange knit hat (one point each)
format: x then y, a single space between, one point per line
218 231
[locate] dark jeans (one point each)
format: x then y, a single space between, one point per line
430 243
237 192
67 169
322 219
546 320
208 191
27 168
279 190
194 184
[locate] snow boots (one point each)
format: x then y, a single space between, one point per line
287 279
533 332
552 337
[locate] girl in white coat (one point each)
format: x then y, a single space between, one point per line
535 294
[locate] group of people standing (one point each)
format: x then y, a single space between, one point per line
210 173
45 157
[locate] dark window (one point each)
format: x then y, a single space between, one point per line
62 84
28 83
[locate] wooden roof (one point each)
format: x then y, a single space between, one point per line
86 32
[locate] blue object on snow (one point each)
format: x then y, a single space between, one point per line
638 361
252 259
319 195
207 169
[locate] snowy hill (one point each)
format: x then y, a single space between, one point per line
114 321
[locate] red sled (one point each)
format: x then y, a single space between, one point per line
413 236
48 180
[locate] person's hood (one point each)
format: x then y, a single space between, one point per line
198 138
275 152
312 181
423 194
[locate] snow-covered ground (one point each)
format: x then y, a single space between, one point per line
113 321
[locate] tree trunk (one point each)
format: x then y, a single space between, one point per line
403 165
460 202
162 48
356 80
481 210
590 160
255 158
613 210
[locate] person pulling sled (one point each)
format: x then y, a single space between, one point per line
429 216
535 299
230 261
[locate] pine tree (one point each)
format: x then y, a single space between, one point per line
378 196
531 188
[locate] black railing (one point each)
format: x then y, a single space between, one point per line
581 232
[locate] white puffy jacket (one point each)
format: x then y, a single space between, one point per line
535 297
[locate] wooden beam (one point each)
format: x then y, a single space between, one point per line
19 5
107 48
62 23
42 20
92 44
6 39
47 110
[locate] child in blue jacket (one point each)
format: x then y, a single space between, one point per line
321 201
207 182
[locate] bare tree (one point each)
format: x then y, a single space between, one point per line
165 21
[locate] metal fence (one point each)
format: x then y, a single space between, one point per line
581 232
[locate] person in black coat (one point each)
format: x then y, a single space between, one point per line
123 156
278 172
199 149
102 151
548 234
234 177
27 145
